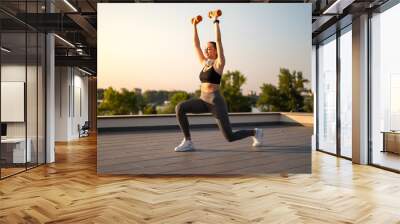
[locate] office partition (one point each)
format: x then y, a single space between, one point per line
22 78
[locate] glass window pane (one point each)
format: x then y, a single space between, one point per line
23 89
41 98
385 84
327 95
14 152
346 93
31 97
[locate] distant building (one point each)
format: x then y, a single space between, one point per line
99 102
100 93
164 106
255 110
138 91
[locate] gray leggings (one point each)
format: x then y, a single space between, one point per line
209 102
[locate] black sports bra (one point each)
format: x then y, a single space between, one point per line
210 76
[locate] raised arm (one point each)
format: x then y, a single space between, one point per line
197 47
221 58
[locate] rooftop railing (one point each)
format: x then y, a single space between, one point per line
206 120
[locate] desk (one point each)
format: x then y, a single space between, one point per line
17 150
391 141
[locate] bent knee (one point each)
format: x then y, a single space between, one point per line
229 137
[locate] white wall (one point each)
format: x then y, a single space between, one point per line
71 94
13 72
62 81
81 102
33 126
16 73
12 96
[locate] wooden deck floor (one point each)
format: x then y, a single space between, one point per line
286 149
70 191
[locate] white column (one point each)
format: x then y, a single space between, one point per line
62 103
360 90
314 91
50 92
50 109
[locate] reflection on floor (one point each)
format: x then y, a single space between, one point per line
387 159
286 149
10 171
11 168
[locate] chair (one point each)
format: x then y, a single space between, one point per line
84 130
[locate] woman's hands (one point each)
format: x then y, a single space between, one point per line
211 14
214 14
197 20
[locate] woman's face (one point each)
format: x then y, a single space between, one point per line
210 51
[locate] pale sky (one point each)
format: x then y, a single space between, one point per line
150 45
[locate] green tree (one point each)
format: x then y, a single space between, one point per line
100 93
253 98
110 102
119 103
156 97
289 96
149 109
141 102
231 84
308 102
177 97
269 99
291 87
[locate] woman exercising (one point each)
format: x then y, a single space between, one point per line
210 99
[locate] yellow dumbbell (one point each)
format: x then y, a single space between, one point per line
197 19
214 14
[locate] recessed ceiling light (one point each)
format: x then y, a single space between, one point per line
70 5
84 71
5 50
334 7
64 40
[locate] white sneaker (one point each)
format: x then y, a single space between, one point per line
186 145
257 138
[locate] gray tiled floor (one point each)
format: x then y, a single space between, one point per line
286 149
